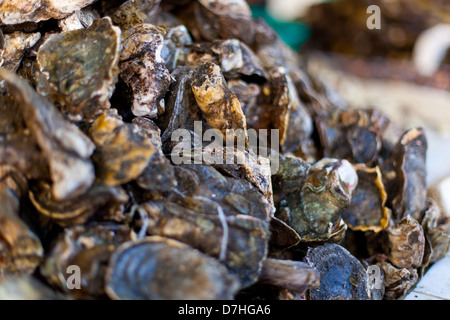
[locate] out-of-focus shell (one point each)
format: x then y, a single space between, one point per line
163 269
79 209
88 247
404 174
342 276
436 226
14 47
398 281
230 19
134 12
80 19
123 149
19 11
27 288
368 210
20 249
65 148
143 70
354 135
405 243
295 276
94 54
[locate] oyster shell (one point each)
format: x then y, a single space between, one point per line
20 249
14 47
123 150
219 105
354 135
77 210
217 215
94 54
368 210
405 175
64 147
80 19
15 12
342 276
164 269
405 245
141 53
437 229
313 207
89 247
398 281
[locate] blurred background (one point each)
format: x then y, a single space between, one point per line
403 68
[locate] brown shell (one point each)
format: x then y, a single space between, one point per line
219 105
65 148
123 149
94 54
404 175
405 243
141 52
165 270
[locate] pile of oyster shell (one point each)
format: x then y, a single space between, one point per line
91 93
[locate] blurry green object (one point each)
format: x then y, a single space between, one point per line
293 33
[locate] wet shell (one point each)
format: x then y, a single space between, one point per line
163 269
15 46
94 54
123 150
219 105
143 70
77 210
368 210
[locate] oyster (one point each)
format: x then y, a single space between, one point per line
342 276
405 245
76 210
368 210
65 148
123 150
223 20
404 175
234 58
94 54
313 207
437 229
20 249
354 135
141 53
219 105
159 175
398 281
80 19
89 247
15 12
27 288
218 215
14 46
159 268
